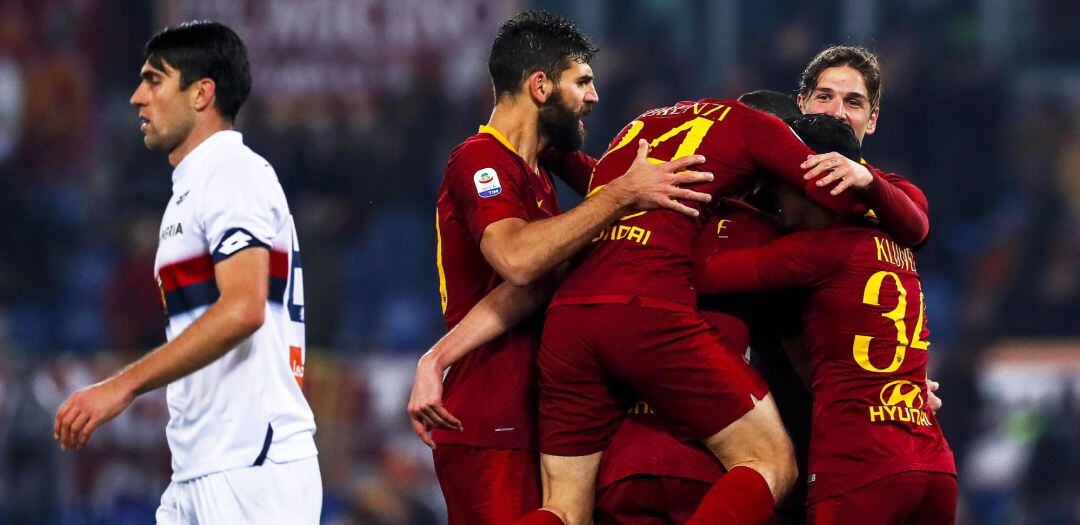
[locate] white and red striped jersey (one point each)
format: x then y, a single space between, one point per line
247 406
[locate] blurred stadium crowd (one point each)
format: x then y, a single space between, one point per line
981 110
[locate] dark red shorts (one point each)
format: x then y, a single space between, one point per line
597 360
649 500
926 498
487 486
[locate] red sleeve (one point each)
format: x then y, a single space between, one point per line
798 260
900 207
772 145
573 167
734 225
486 186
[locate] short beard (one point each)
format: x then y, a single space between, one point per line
167 142
559 124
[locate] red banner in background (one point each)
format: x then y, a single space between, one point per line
349 48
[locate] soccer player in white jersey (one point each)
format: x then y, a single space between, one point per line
228 265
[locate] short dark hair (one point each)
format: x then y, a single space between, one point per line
535 41
858 58
204 49
775 103
824 133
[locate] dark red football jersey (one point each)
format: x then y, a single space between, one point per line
649 254
573 167
866 336
903 206
643 444
493 390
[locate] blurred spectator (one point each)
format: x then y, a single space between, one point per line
1052 477
132 300
394 494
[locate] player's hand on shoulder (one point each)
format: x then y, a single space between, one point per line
647 186
834 167
426 410
87 409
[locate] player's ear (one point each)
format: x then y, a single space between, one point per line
871 124
202 96
540 86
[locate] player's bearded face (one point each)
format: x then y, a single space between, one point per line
561 124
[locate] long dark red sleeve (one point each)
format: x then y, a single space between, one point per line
900 206
774 147
797 260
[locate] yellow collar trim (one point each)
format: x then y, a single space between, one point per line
484 128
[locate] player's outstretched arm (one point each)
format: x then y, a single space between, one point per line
900 206
796 260
497 312
243 281
772 146
524 251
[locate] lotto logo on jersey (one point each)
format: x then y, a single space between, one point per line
487 183
233 241
900 401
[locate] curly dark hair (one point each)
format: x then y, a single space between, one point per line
535 41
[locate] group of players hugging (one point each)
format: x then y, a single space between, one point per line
730 328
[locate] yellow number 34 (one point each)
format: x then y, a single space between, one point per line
871 296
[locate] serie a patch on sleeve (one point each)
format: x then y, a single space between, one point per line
487 183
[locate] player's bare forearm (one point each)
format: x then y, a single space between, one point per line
497 312
223 326
524 251
243 281
500 310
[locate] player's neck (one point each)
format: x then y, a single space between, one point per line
806 215
202 131
817 217
517 120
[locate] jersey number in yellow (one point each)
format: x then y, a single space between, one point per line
872 297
